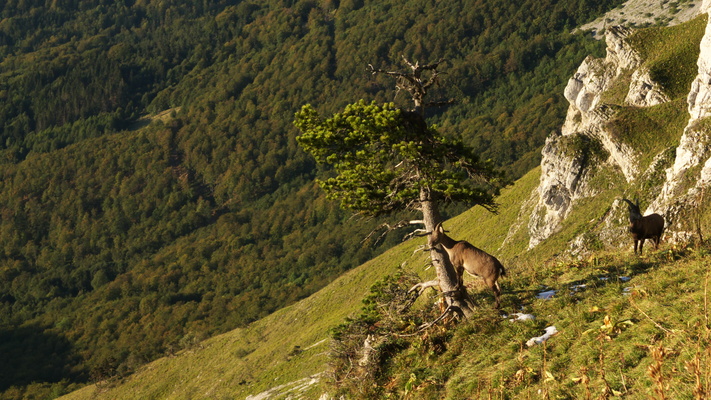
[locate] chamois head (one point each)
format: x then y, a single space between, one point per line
438 236
434 237
633 208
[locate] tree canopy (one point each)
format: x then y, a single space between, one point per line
385 158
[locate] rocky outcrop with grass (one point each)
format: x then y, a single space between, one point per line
690 175
587 144
565 167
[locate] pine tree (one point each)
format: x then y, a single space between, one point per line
386 159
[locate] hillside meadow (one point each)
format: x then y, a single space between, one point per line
627 325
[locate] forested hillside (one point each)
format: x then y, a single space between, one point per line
123 241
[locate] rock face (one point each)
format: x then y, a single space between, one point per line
644 92
566 168
565 172
691 172
562 181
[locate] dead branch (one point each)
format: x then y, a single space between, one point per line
414 82
387 228
450 308
440 103
422 286
415 233
422 247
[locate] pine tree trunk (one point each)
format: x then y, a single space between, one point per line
455 295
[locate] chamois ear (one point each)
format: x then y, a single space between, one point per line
438 227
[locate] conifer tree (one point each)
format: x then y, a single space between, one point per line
387 159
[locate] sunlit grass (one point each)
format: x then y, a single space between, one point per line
607 331
670 54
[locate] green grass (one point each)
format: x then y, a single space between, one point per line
665 308
670 54
489 231
485 356
650 130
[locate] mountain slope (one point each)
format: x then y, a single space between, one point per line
292 343
123 242
286 353
626 322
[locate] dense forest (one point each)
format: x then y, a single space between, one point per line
125 237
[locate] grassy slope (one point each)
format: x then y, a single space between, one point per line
264 355
486 355
606 334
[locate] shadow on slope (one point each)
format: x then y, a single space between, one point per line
33 354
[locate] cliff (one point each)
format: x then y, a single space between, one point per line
595 140
689 176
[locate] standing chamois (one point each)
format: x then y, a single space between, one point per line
465 257
648 227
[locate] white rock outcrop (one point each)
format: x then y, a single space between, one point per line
644 92
693 155
562 181
564 174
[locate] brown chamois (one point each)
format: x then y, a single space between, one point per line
648 227
465 257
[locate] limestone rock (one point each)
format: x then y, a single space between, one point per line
564 174
644 92
693 155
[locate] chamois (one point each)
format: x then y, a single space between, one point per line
465 257
648 227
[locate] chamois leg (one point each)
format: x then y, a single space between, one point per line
460 276
494 286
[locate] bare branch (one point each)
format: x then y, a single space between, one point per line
408 77
422 286
440 103
433 80
422 247
433 66
413 67
415 233
387 228
428 264
428 325
414 82
450 308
